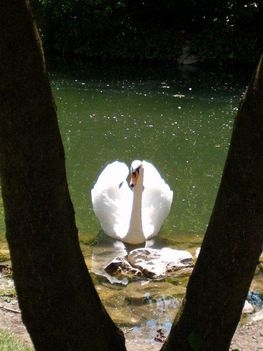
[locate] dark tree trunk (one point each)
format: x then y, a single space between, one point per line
225 267
60 306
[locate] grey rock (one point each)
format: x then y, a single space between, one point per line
160 263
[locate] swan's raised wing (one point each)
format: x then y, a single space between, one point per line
156 200
112 198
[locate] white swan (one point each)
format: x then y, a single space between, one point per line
132 216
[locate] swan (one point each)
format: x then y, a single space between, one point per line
135 213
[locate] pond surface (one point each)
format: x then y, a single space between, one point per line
179 121
181 124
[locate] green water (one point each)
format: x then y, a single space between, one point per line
180 122
182 125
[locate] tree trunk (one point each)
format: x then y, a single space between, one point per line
60 306
225 267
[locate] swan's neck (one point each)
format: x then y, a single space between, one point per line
135 233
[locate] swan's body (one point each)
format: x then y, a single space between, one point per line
132 216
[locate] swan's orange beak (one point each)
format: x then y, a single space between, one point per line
134 177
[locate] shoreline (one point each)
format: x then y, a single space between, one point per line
248 336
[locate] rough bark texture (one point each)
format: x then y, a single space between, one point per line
233 242
59 304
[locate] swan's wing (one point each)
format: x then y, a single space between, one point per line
152 176
155 208
156 200
113 174
112 198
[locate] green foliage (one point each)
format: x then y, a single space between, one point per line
9 343
146 30
226 46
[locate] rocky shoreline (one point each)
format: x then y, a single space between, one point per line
248 336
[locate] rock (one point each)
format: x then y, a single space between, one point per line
255 298
187 58
248 308
151 263
158 264
160 336
258 316
119 266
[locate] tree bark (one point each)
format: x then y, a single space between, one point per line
59 304
225 267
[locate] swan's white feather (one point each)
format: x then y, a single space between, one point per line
156 201
112 200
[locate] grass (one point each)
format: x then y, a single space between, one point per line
8 342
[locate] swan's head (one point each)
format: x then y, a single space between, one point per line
136 170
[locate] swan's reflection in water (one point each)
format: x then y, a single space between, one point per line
103 253
140 307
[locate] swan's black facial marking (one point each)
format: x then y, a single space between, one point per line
135 171
138 169
120 185
134 175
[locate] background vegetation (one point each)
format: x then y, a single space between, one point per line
217 31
